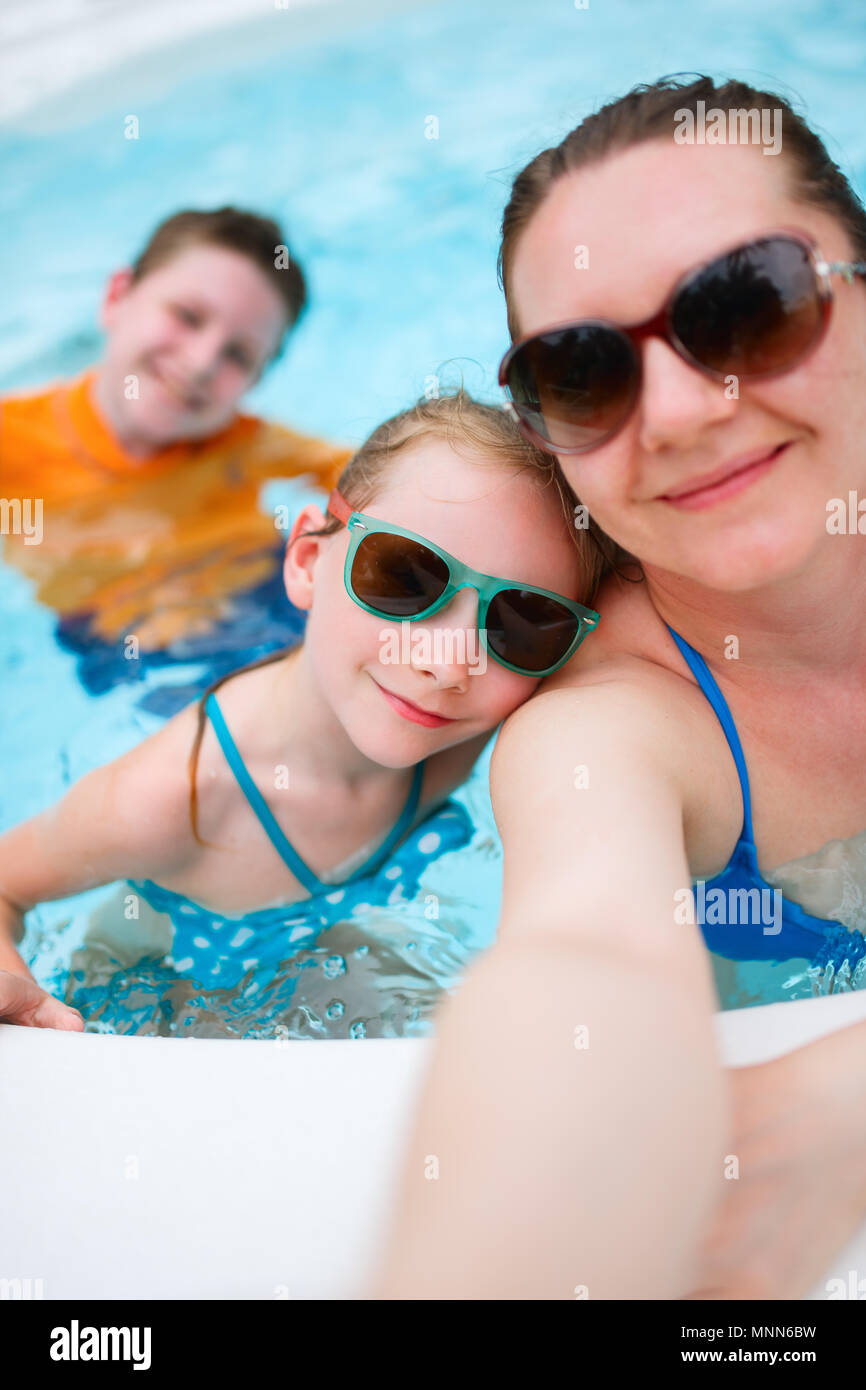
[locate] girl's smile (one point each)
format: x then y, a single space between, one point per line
408 710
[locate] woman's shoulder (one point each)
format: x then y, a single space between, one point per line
631 641
628 667
627 699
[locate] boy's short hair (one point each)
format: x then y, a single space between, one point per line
260 239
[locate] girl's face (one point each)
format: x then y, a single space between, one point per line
193 335
647 215
399 706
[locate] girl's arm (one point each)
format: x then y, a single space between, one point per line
571 1133
126 819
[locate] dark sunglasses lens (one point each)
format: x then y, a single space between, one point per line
574 386
755 310
397 576
529 630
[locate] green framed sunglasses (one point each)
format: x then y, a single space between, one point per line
394 573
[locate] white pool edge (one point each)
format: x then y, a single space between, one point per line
158 1168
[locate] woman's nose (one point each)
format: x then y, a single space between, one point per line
678 401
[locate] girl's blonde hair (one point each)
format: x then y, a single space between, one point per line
469 427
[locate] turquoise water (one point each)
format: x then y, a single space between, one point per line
326 129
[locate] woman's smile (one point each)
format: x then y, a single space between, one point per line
727 481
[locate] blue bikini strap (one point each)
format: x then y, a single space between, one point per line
303 873
705 679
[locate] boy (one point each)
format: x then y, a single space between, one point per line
140 479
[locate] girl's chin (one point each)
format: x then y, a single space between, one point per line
395 749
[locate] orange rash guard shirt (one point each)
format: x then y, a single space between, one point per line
152 547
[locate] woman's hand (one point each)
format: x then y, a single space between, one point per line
799 1149
23 1001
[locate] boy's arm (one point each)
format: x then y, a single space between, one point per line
279 452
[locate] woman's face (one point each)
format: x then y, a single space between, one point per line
646 216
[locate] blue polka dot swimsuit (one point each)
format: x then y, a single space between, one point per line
218 950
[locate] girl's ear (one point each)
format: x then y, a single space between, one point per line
116 289
302 552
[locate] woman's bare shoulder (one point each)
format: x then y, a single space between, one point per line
630 638
631 654
629 703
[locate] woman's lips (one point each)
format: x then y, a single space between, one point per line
412 712
725 482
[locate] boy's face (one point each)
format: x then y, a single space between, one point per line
185 343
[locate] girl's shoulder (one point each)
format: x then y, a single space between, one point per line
128 818
147 792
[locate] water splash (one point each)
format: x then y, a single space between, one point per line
387 989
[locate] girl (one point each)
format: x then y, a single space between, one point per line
312 766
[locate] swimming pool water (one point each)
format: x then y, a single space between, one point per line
398 235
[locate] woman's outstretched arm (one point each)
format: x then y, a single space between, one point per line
570 1134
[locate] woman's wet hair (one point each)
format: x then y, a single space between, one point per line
260 239
474 430
650 112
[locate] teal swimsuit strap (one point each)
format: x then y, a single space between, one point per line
702 674
290 856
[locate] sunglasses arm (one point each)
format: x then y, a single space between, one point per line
847 269
339 507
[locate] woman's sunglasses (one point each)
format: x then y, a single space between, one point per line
756 311
393 573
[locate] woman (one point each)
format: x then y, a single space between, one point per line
581 1125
